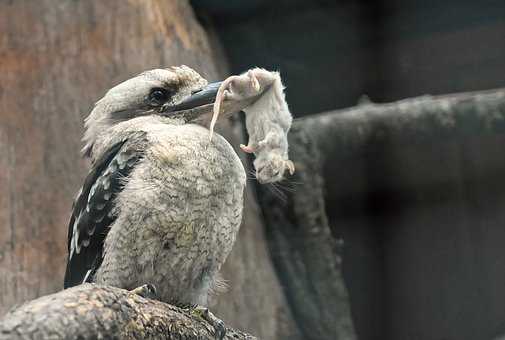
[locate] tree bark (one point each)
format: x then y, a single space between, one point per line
56 59
101 312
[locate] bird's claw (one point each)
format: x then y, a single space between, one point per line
205 314
147 291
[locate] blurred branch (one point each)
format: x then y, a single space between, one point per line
101 312
415 120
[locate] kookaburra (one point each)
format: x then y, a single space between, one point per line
162 203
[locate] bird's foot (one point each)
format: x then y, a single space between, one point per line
147 291
205 314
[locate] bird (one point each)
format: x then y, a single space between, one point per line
161 204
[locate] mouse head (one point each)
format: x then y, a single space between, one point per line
271 166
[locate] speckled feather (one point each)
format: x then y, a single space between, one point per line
178 213
92 212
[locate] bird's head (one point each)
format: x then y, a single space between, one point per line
168 92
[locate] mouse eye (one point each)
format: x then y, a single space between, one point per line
158 96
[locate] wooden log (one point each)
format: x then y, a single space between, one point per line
92 311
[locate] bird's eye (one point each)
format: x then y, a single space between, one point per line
158 96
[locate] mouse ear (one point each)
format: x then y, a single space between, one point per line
290 166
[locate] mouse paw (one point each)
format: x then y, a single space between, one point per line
290 166
246 148
263 77
254 81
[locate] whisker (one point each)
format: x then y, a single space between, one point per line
277 192
282 186
291 181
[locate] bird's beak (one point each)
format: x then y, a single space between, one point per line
205 96
194 106
200 104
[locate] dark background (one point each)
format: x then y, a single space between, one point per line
332 52
423 225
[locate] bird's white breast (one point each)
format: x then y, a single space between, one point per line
181 209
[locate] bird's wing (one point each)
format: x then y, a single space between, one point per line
93 211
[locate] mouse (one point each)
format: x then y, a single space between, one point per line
268 120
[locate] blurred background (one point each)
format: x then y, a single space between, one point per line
423 224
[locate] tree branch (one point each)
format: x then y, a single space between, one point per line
101 312
415 120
